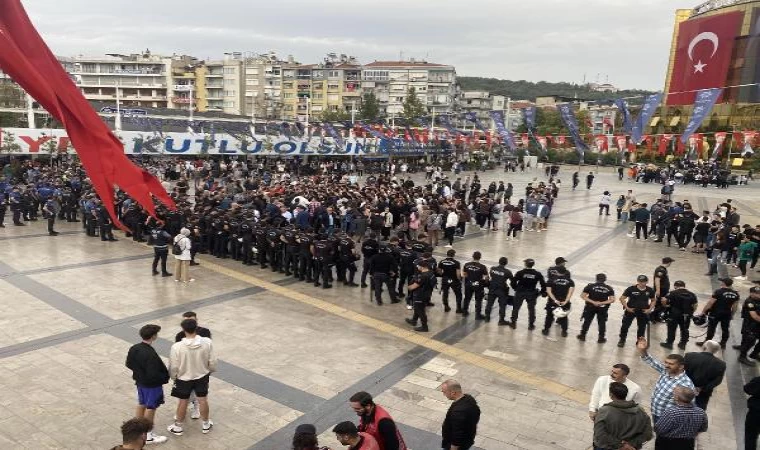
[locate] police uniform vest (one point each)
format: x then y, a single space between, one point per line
449 268
499 276
599 292
474 273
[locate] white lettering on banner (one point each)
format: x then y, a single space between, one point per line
33 141
715 4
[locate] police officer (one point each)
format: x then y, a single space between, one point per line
382 267
260 232
221 238
598 297
105 223
305 259
235 238
475 279
406 256
750 328
15 202
50 210
347 259
525 283
246 234
554 271
421 290
370 248
289 239
638 302
161 241
3 205
661 287
323 252
499 289
451 279
274 247
681 304
721 306
559 290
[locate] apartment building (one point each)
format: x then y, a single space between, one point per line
263 85
435 84
224 87
143 79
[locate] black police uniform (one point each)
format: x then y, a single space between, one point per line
560 286
639 301
498 289
161 241
370 248
681 303
305 258
260 233
246 234
290 263
720 313
324 253
598 292
475 279
3 207
407 256
660 272
381 267
750 330
524 283
236 250
105 223
449 269
221 239
425 282
274 248
346 261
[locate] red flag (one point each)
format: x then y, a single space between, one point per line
702 55
560 141
648 141
25 57
749 136
601 143
680 148
720 139
664 141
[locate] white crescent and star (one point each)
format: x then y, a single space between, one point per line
703 36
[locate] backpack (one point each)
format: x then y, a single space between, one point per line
176 248
515 216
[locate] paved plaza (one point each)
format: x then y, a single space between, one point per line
291 353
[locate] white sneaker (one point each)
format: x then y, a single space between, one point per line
195 411
191 280
629 235
538 231
509 238
409 307
175 429
155 439
207 426
740 278
447 246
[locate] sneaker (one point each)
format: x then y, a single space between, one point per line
700 343
581 337
629 235
447 246
195 411
175 429
667 345
682 345
621 344
207 427
191 280
741 278
746 361
409 307
601 340
545 332
155 439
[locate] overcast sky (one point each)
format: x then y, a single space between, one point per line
553 40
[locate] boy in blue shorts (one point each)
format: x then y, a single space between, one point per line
150 374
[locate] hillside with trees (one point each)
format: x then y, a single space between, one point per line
528 90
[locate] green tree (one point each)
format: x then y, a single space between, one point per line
334 116
413 107
369 109
9 144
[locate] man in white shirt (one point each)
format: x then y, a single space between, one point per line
600 395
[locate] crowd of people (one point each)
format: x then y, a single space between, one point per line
338 223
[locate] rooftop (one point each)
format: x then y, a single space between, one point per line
411 63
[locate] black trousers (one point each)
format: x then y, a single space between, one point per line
365 270
749 338
528 297
403 277
563 322
663 443
503 298
456 287
642 319
346 265
680 322
641 227
291 261
703 398
420 312
247 249
469 292
2 214
380 279
160 254
305 267
106 232
589 312
323 269
751 429
712 324
51 223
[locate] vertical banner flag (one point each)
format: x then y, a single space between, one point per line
600 141
702 106
620 140
749 138
625 113
664 141
529 115
568 118
702 55
445 122
333 134
541 143
473 117
506 135
647 111
25 57
720 139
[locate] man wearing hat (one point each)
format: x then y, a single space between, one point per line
421 289
638 302
681 303
525 283
661 285
555 270
721 306
750 328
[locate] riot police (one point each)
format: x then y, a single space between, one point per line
346 260
370 248
305 240
324 253
290 256
525 283
421 290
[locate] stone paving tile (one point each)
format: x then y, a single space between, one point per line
31 318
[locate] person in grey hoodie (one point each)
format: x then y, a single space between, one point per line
191 361
621 424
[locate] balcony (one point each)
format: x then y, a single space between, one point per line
214 74
181 100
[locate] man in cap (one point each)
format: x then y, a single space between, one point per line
638 302
554 271
661 285
598 297
421 290
721 306
525 283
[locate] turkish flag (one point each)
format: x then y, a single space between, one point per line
664 142
703 55
648 141
601 143
30 63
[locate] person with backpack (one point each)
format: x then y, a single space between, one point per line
181 251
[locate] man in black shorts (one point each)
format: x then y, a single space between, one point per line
195 412
198 360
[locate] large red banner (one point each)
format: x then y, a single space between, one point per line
703 55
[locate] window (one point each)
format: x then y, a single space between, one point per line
229 70
317 74
252 71
229 82
288 108
252 82
89 68
318 95
333 74
288 95
333 97
288 85
317 85
333 86
333 108
229 104
229 93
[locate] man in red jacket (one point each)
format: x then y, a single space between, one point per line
375 421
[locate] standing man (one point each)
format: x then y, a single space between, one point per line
105 222
451 278
638 302
672 374
559 291
499 289
661 286
370 248
421 291
682 303
375 421
621 424
195 411
525 283
191 362
475 279
679 425
706 371
383 267
461 422
752 421
589 180
750 328
150 375
160 241
600 394
51 209
721 306
598 297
